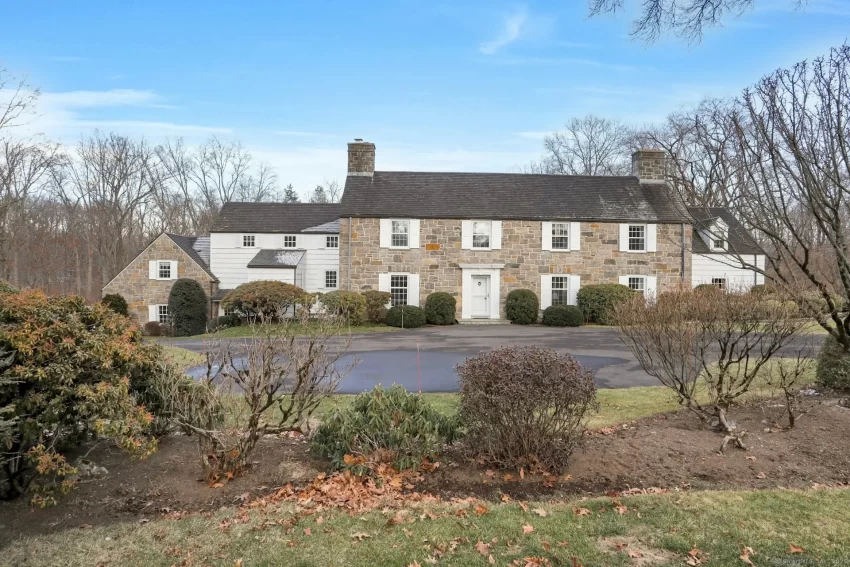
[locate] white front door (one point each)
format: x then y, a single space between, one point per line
481 296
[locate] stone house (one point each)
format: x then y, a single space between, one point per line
477 236
146 281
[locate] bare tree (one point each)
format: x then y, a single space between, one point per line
792 138
590 145
685 19
709 348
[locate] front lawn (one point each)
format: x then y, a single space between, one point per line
277 329
774 527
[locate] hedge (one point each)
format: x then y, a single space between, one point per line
187 308
522 307
406 316
117 303
440 308
597 301
563 316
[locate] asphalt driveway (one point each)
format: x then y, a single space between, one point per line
428 356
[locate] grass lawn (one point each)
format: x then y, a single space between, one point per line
716 524
182 357
276 329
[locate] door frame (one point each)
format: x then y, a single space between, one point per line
494 271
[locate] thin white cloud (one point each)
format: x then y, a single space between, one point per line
512 29
150 127
95 99
532 135
303 134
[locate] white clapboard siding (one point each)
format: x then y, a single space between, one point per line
575 236
624 237
547 235
727 266
651 237
386 233
496 235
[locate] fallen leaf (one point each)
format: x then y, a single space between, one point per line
308 532
761 475
482 548
751 457
217 485
745 555
635 554
527 529
480 510
563 543
540 512
359 536
491 560
407 532
237 563
522 472
415 564
581 512
546 545
320 520
523 505
795 549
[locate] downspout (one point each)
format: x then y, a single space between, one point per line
349 254
683 252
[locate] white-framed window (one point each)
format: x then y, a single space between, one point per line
560 236
718 244
332 242
481 234
400 234
163 269
560 290
637 283
330 279
289 241
719 282
398 290
162 313
248 240
637 238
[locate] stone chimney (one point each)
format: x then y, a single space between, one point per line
361 157
650 165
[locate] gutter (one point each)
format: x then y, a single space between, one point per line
683 252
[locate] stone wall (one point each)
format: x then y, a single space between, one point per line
139 290
438 258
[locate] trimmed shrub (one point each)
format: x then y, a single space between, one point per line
117 303
563 316
440 308
522 307
263 299
153 328
833 365
524 406
349 305
75 372
227 321
376 305
187 308
406 317
383 425
762 290
597 301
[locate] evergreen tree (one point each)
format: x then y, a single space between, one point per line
319 195
290 195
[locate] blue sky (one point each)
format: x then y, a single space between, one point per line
464 86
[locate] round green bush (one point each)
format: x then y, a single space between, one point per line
391 425
762 289
227 321
349 305
563 316
440 308
267 299
153 329
833 365
522 307
406 317
597 301
187 308
117 303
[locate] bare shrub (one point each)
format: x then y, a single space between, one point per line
268 383
784 384
708 349
525 405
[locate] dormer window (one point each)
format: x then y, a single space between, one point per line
718 244
718 234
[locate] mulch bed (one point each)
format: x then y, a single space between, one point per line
659 453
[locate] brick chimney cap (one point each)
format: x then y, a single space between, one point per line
358 139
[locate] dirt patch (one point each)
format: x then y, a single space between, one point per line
660 453
639 554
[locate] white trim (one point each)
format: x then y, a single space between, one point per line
130 263
481 266
492 270
409 235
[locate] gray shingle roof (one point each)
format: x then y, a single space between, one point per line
507 196
274 258
197 247
273 217
326 228
740 241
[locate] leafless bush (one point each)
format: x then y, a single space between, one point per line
525 405
785 383
268 383
708 349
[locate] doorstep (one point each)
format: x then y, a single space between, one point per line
484 321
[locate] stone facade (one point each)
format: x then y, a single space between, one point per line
361 158
134 283
650 165
438 258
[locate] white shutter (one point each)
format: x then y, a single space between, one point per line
575 236
545 291
575 284
174 270
153 312
413 289
466 235
547 235
624 280
386 234
624 237
152 270
651 238
383 282
414 233
496 235
651 285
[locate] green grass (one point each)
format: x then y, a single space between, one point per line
277 329
182 357
716 523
